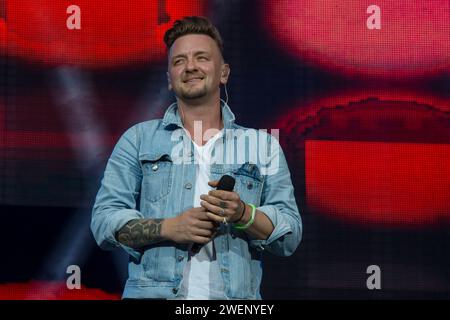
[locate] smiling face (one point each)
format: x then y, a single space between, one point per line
196 68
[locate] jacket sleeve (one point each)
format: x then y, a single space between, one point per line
278 203
115 204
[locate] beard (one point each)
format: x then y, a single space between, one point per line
193 92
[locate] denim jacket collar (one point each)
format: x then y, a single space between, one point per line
172 117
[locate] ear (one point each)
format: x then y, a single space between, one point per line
169 85
225 73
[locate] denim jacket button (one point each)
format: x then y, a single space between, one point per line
180 258
155 167
249 185
174 290
188 186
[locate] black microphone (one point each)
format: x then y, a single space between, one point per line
226 183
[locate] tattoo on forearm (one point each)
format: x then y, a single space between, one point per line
140 233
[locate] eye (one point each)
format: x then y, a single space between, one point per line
202 58
177 62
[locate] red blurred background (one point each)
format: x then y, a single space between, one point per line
363 117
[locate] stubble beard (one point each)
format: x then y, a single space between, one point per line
193 93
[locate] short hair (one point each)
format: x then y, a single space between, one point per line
192 25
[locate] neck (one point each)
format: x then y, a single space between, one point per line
207 116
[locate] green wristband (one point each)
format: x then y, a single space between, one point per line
240 226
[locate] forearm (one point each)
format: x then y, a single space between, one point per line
142 232
262 227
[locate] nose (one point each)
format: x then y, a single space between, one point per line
190 65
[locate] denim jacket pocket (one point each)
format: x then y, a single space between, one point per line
156 176
249 183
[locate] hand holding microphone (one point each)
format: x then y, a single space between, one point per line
223 205
199 225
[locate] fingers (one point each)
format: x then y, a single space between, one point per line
213 183
207 225
203 217
224 195
195 226
207 233
200 224
197 219
214 209
216 201
204 230
201 240
199 213
218 206
216 218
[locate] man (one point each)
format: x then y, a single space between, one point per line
186 239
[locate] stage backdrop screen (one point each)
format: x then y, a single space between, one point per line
359 91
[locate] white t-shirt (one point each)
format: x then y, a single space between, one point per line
201 275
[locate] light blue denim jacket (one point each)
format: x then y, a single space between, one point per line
146 177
